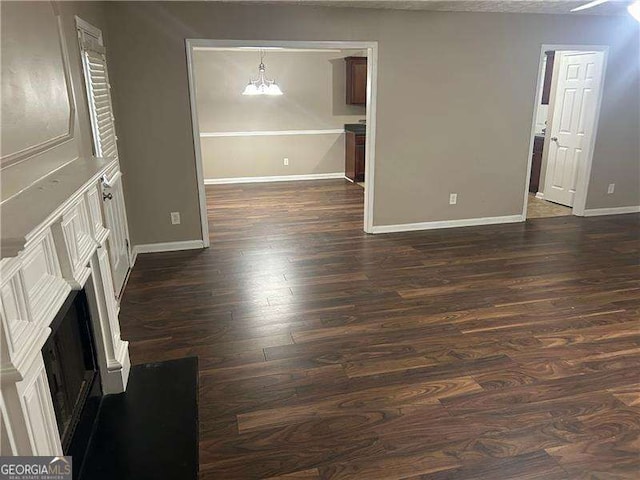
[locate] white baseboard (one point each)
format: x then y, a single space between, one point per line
467 222
281 178
594 212
540 195
166 247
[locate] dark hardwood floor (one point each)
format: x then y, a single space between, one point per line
487 353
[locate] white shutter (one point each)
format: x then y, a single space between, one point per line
96 79
99 97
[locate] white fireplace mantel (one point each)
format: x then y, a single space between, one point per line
53 240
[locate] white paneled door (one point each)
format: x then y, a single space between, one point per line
96 76
572 124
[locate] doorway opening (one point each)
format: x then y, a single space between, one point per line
327 108
568 99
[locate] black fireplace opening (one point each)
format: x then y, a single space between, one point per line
74 378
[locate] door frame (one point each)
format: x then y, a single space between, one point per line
372 93
584 174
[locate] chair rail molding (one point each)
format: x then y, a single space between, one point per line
272 133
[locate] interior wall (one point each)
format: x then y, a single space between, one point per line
311 100
263 156
616 155
314 86
42 89
455 104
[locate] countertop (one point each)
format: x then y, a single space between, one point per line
357 128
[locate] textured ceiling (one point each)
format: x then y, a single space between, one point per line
612 7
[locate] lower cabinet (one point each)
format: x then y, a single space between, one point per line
116 221
536 164
354 159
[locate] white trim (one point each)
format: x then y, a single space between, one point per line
370 150
372 82
467 222
273 178
257 49
594 212
202 196
584 174
13 158
540 195
269 133
166 247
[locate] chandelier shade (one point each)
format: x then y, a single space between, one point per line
634 10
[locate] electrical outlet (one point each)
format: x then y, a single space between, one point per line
175 218
286 162
453 198
611 189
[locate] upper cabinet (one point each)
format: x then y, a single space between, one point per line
356 80
548 77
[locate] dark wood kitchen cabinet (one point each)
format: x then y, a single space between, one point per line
354 158
356 80
548 77
536 164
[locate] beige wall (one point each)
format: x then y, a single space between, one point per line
262 156
311 100
314 85
36 103
455 104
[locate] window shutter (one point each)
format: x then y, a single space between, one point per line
99 96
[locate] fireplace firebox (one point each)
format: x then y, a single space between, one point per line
73 375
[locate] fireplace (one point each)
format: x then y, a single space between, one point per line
54 242
73 374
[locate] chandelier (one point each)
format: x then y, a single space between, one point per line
262 85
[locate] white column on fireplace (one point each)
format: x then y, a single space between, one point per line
56 241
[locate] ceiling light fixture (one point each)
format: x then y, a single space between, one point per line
595 3
262 85
634 10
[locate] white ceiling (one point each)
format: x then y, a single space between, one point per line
612 7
